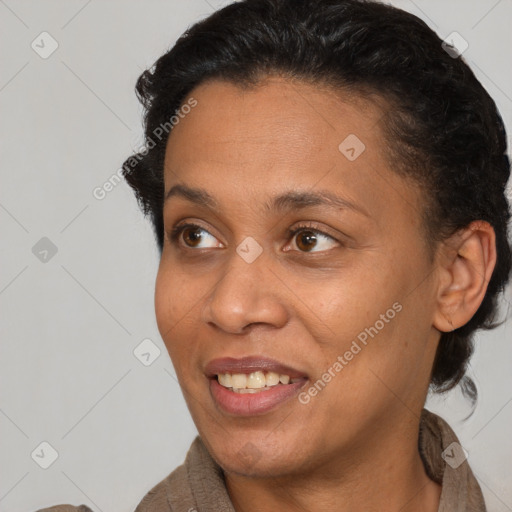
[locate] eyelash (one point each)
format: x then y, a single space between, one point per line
290 233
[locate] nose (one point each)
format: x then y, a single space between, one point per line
245 294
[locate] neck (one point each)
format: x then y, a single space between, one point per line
385 475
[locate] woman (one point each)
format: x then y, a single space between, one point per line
331 214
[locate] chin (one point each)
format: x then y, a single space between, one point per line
253 463
255 456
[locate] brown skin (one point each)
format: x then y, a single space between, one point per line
354 445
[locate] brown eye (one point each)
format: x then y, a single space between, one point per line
307 239
193 235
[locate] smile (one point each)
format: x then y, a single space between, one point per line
252 385
254 382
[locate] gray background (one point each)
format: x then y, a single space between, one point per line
70 322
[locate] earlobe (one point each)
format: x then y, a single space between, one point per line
466 268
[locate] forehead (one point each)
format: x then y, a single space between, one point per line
278 116
246 144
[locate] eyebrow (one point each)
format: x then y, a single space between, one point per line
287 201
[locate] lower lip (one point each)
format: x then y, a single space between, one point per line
251 404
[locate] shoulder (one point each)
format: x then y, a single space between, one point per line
176 491
65 508
158 497
195 485
446 463
198 484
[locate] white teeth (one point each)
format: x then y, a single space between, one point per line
225 380
239 380
253 382
272 379
256 380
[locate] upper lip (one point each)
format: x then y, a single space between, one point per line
249 364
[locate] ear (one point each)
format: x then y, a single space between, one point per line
466 263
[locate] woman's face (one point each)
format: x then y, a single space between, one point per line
344 307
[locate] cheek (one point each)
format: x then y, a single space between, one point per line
175 293
177 303
365 314
381 356
173 305
352 301
164 303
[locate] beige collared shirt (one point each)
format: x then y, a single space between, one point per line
198 484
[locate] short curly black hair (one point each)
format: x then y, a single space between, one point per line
447 133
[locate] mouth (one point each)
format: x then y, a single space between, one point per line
254 382
252 385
